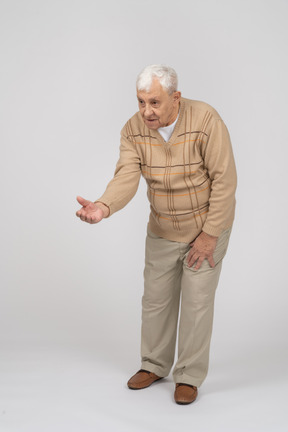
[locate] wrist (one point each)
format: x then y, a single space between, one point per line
104 208
208 236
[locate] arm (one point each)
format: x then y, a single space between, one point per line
219 162
220 165
120 189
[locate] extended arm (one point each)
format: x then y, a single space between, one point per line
120 189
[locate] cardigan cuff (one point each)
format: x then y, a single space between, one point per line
212 231
106 205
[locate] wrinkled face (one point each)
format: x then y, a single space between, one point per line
157 107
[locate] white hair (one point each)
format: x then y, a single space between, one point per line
165 74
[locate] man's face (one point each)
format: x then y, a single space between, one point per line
157 107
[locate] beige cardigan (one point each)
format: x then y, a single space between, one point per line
191 179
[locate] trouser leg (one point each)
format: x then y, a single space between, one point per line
196 321
160 304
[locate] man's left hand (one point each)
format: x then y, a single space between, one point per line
202 248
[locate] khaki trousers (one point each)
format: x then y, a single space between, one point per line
166 278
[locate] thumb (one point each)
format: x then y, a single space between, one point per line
82 201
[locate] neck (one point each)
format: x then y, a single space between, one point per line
173 116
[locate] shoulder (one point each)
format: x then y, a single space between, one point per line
201 108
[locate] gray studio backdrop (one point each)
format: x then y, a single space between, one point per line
67 76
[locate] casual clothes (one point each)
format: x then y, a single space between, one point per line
191 179
191 182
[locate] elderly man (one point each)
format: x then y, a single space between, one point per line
182 148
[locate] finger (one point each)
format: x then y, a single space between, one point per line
192 259
199 263
91 220
82 201
82 213
189 257
211 261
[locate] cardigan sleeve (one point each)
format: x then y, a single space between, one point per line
220 165
122 188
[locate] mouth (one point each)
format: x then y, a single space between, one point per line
151 120
152 123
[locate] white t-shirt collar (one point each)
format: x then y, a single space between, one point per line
167 131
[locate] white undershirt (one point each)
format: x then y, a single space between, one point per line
167 131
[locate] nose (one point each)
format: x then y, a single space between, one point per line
148 111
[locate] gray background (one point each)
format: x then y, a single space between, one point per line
70 292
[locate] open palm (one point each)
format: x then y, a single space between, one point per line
90 212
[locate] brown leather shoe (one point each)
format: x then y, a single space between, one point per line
142 379
185 394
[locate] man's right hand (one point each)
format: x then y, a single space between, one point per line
90 212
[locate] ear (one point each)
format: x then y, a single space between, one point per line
176 96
